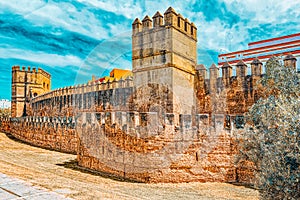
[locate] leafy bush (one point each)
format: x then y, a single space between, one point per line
4 112
271 139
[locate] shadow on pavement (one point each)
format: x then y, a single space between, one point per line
73 164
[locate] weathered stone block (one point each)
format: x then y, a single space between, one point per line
185 121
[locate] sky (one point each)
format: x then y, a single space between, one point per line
75 39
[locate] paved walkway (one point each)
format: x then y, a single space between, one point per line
12 188
28 172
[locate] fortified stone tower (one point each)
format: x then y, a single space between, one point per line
164 54
27 83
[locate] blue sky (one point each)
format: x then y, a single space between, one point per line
75 39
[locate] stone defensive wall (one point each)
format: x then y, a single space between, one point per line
142 146
85 97
217 93
101 124
55 133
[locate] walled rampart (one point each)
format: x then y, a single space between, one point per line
136 146
141 146
56 133
109 134
85 97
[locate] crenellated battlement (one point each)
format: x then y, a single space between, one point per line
16 68
233 93
31 70
44 73
24 69
241 68
138 122
85 88
135 120
83 97
170 19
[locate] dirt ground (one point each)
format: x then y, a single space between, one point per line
47 169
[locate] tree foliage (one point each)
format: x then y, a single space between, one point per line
5 112
271 139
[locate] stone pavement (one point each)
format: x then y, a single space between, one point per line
12 188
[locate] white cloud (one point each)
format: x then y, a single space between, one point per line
215 35
267 11
107 55
24 7
64 15
212 35
127 8
40 57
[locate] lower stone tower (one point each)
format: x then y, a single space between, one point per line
164 56
26 84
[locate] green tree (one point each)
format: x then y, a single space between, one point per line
271 139
4 112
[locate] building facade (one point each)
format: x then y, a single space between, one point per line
26 84
264 50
